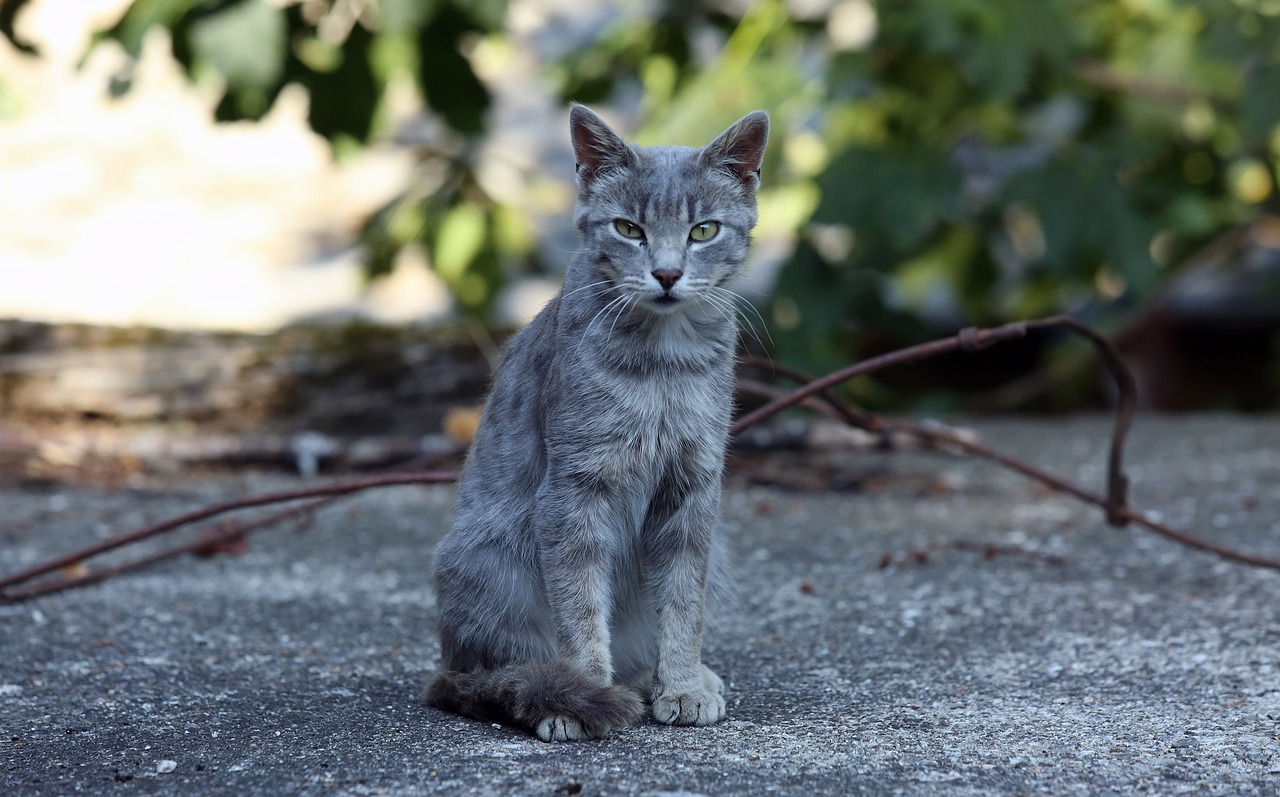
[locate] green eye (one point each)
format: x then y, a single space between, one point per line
627 230
704 231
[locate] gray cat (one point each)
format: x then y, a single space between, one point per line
573 582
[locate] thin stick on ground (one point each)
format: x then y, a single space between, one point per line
972 339
208 543
336 489
1114 503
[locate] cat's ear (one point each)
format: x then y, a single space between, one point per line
740 149
596 148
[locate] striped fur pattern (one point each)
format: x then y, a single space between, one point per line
573 582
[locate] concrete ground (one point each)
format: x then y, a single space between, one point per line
1136 667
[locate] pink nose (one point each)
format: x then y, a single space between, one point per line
667 277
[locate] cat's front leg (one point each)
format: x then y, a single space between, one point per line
576 543
684 691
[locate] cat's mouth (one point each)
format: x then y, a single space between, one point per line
665 300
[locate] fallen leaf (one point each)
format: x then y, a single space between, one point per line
74 570
461 423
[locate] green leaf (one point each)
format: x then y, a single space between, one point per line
1088 220
899 193
459 240
344 97
1260 111
143 14
488 14
451 87
810 316
246 43
399 16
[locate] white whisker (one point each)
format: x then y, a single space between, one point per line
738 300
621 310
586 333
722 306
592 285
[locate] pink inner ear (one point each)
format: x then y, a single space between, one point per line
595 146
740 149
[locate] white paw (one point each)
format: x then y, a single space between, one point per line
703 706
561 729
712 681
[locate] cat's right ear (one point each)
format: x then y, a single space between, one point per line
740 149
596 148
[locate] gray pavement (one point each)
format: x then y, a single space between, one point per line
1137 667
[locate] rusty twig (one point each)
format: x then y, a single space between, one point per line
942 435
765 390
843 410
1114 502
973 339
333 490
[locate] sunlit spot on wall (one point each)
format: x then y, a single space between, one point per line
141 209
1199 121
786 313
1109 284
411 291
335 22
833 242
852 24
1025 233
1161 247
1250 180
805 153
809 10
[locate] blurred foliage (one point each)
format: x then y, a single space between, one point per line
1001 159
355 59
939 162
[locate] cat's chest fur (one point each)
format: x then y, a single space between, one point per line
640 409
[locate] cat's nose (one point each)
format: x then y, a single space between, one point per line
667 277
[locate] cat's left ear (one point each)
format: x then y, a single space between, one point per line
740 149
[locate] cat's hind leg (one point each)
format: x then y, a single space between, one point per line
551 699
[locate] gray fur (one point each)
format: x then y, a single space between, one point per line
585 536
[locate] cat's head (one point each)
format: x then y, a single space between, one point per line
667 226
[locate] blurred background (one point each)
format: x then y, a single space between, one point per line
382 186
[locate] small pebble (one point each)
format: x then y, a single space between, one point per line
165 766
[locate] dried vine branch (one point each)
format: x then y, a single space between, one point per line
1114 503
335 490
218 539
972 339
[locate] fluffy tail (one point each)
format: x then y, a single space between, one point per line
551 699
